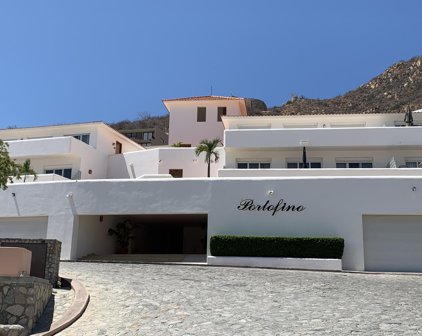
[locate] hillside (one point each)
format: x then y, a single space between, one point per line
143 121
400 85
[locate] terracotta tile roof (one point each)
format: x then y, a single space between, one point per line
203 98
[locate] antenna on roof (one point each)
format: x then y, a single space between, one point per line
211 91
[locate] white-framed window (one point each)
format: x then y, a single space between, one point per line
298 165
253 165
354 164
65 172
81 137
403 124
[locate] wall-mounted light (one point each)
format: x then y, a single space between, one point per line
270 192
413 188
13 195
69 195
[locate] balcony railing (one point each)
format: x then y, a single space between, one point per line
324 137
46 147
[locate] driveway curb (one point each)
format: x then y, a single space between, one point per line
79 304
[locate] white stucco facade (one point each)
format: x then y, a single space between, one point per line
162 161
184 124
335 200
334 206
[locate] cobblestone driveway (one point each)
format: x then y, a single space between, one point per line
193 300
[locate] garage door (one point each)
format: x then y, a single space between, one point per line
23 227
393 243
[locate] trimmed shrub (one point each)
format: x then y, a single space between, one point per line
284 247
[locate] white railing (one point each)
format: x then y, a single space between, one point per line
324 137
40 178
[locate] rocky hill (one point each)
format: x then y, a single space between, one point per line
400 85
397 87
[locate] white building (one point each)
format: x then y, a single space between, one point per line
195 118
73 151
376 208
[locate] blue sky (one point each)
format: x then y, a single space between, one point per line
86 60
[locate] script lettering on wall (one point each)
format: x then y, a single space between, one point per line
248 204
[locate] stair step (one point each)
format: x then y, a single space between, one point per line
147 258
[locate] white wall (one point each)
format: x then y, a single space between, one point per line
160 161
133 164
185 158
334 205
92 226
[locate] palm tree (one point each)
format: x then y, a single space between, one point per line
25 169
209 147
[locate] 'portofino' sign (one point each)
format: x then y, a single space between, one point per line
272 208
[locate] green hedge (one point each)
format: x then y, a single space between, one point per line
297 247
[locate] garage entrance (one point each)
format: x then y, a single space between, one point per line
169 234
393 243
184 236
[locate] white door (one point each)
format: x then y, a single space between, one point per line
393 243
23 227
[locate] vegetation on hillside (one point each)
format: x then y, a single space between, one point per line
398 87
392 91
144 120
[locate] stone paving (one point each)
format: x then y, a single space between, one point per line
192 300
59 303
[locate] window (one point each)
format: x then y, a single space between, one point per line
65 172
300 125
345 125
201 115
222 111
147 136
353 164
82 137
298 165
413 163
403 124
253 165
